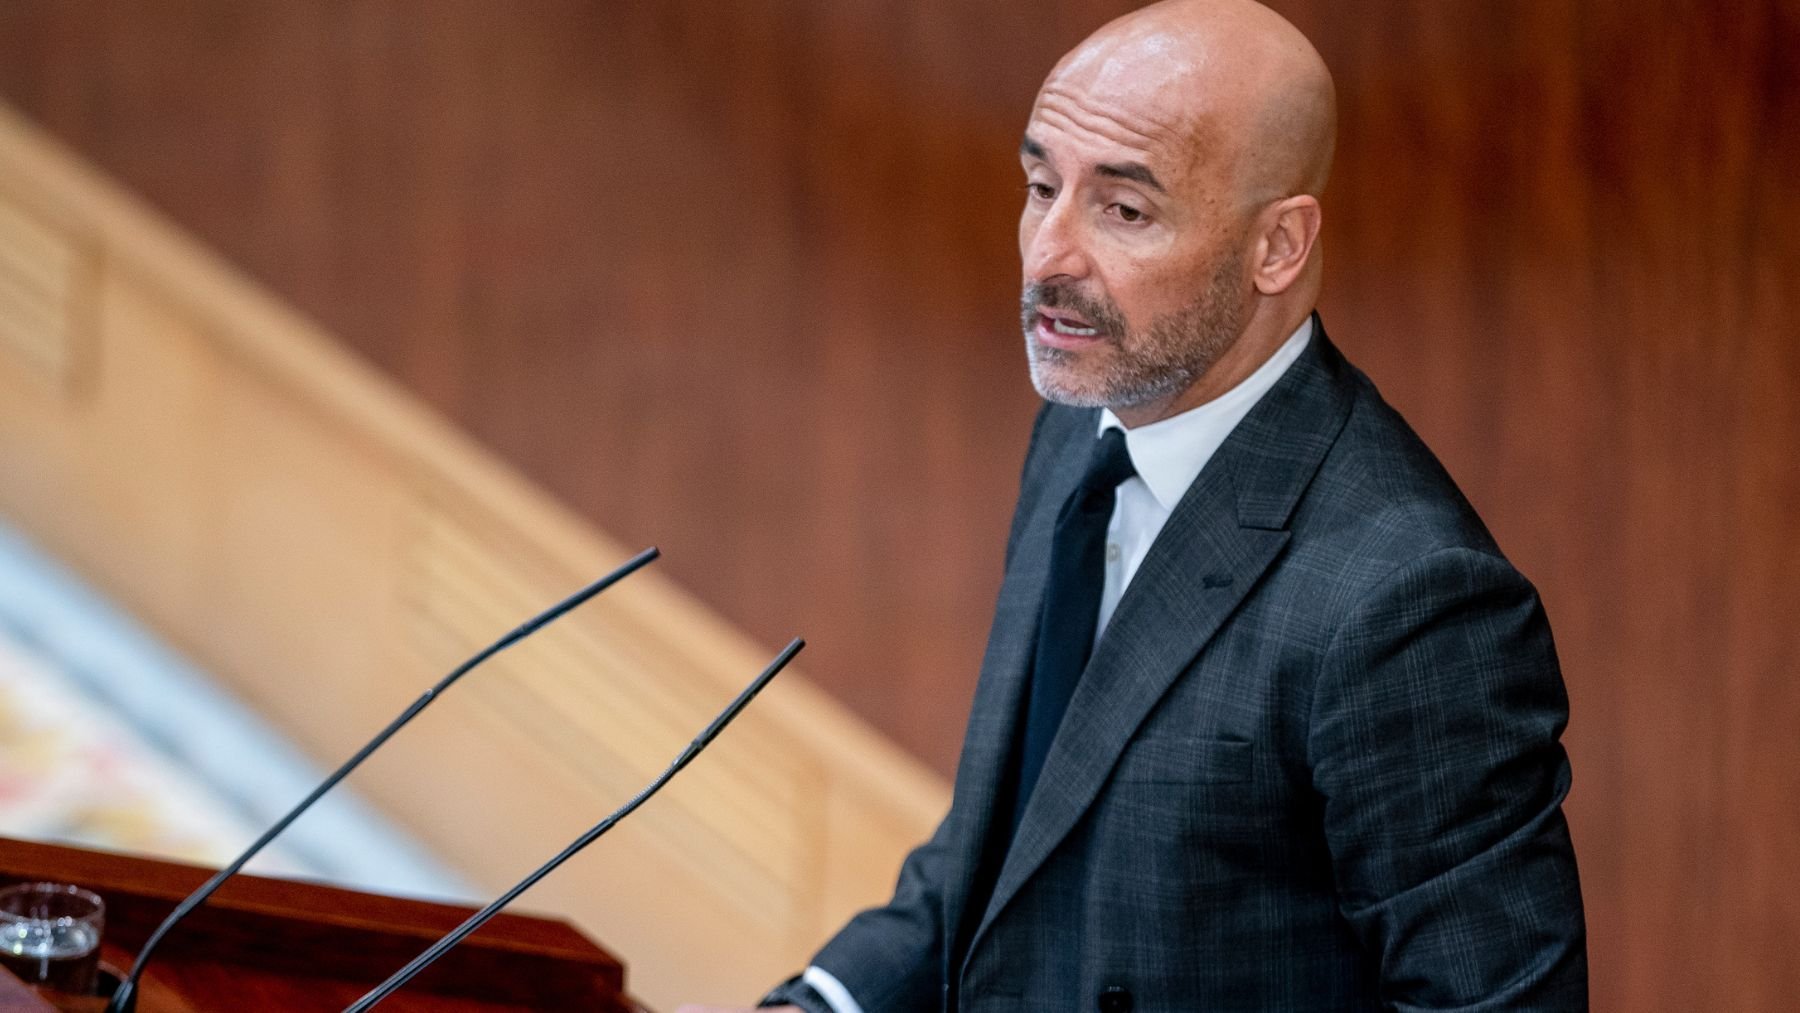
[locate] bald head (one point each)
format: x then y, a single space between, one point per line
1233 81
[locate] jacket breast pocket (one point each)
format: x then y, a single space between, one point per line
1184 789
1176 760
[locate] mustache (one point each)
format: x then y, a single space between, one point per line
1101 313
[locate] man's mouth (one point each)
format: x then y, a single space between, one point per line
1058 318
1065 325
1060 328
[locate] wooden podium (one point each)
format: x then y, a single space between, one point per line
267 944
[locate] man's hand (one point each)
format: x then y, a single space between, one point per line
738 1009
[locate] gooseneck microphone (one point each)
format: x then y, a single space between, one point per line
480 918
124 999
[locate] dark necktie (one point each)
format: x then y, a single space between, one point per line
1065 638
1071 605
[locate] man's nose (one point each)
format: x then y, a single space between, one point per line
1054 248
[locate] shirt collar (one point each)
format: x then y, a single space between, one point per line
1170 453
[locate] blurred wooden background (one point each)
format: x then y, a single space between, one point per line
740 280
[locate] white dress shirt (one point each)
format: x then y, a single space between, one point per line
1168 455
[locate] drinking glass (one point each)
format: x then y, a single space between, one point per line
50 935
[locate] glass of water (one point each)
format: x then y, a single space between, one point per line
50 935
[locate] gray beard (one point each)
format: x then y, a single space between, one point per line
1163 360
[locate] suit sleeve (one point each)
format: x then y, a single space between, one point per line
892 957
889 958
1434 745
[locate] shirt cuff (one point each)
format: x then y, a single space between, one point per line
831 990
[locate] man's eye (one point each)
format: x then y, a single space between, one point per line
1041 191
1127 213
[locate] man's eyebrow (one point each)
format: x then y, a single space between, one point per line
1137 172
1134 171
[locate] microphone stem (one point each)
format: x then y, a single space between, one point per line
480 918
124 999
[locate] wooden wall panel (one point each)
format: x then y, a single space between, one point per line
739 279
734 283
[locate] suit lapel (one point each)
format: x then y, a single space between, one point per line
1006 669
1229 526
1165 618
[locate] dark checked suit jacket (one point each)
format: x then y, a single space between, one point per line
1313 763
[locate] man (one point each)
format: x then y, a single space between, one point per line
1266 722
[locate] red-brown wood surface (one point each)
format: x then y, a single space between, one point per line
16 997
278 944
739 280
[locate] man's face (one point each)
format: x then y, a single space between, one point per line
1134 280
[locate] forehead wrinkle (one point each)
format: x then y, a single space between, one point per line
1137 132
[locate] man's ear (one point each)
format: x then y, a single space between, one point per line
1290 229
